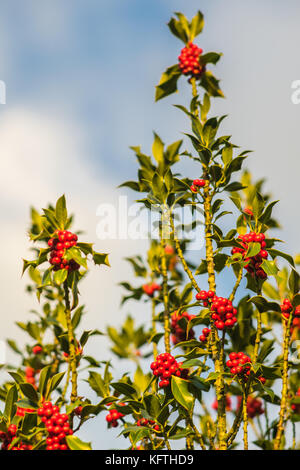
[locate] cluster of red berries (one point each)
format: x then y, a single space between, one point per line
59 245
22 411
189 63
196 185
8 437
165 366
248 210
113 416
253 265
149 423
228 403
240 364
179 334
21 446
149 289
57 425
204 335
205 296
223 313
30 374
287 308
296 406
254 406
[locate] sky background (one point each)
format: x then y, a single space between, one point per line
80 80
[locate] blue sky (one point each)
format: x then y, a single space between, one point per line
80 82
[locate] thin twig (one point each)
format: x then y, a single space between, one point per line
72 346
283 404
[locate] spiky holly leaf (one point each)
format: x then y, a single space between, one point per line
100 258
168 82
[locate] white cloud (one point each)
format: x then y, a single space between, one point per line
41 159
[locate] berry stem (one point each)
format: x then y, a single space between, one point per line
236 425
182 259
237 283
153 327
195 94
257 337
218 352
166 440
72 346
238 419
64 392
197 433
284 393
245 418
167 329
189 441
208 239
55 364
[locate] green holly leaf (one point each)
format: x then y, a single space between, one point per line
74 253
100 258
27 404
181 392
168 82
61 213
44 377
55 381
269 267
294 282
152 405
158 149
29 392
196 25
124 388
263 305
60 276
10 402
210 58
211 84
74 443
180 27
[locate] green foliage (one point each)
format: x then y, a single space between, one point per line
152 413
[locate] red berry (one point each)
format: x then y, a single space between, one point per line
12 429
233 355
37 349
199 182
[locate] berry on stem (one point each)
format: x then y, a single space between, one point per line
60 243
179 334
165 366
189 62
254 263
